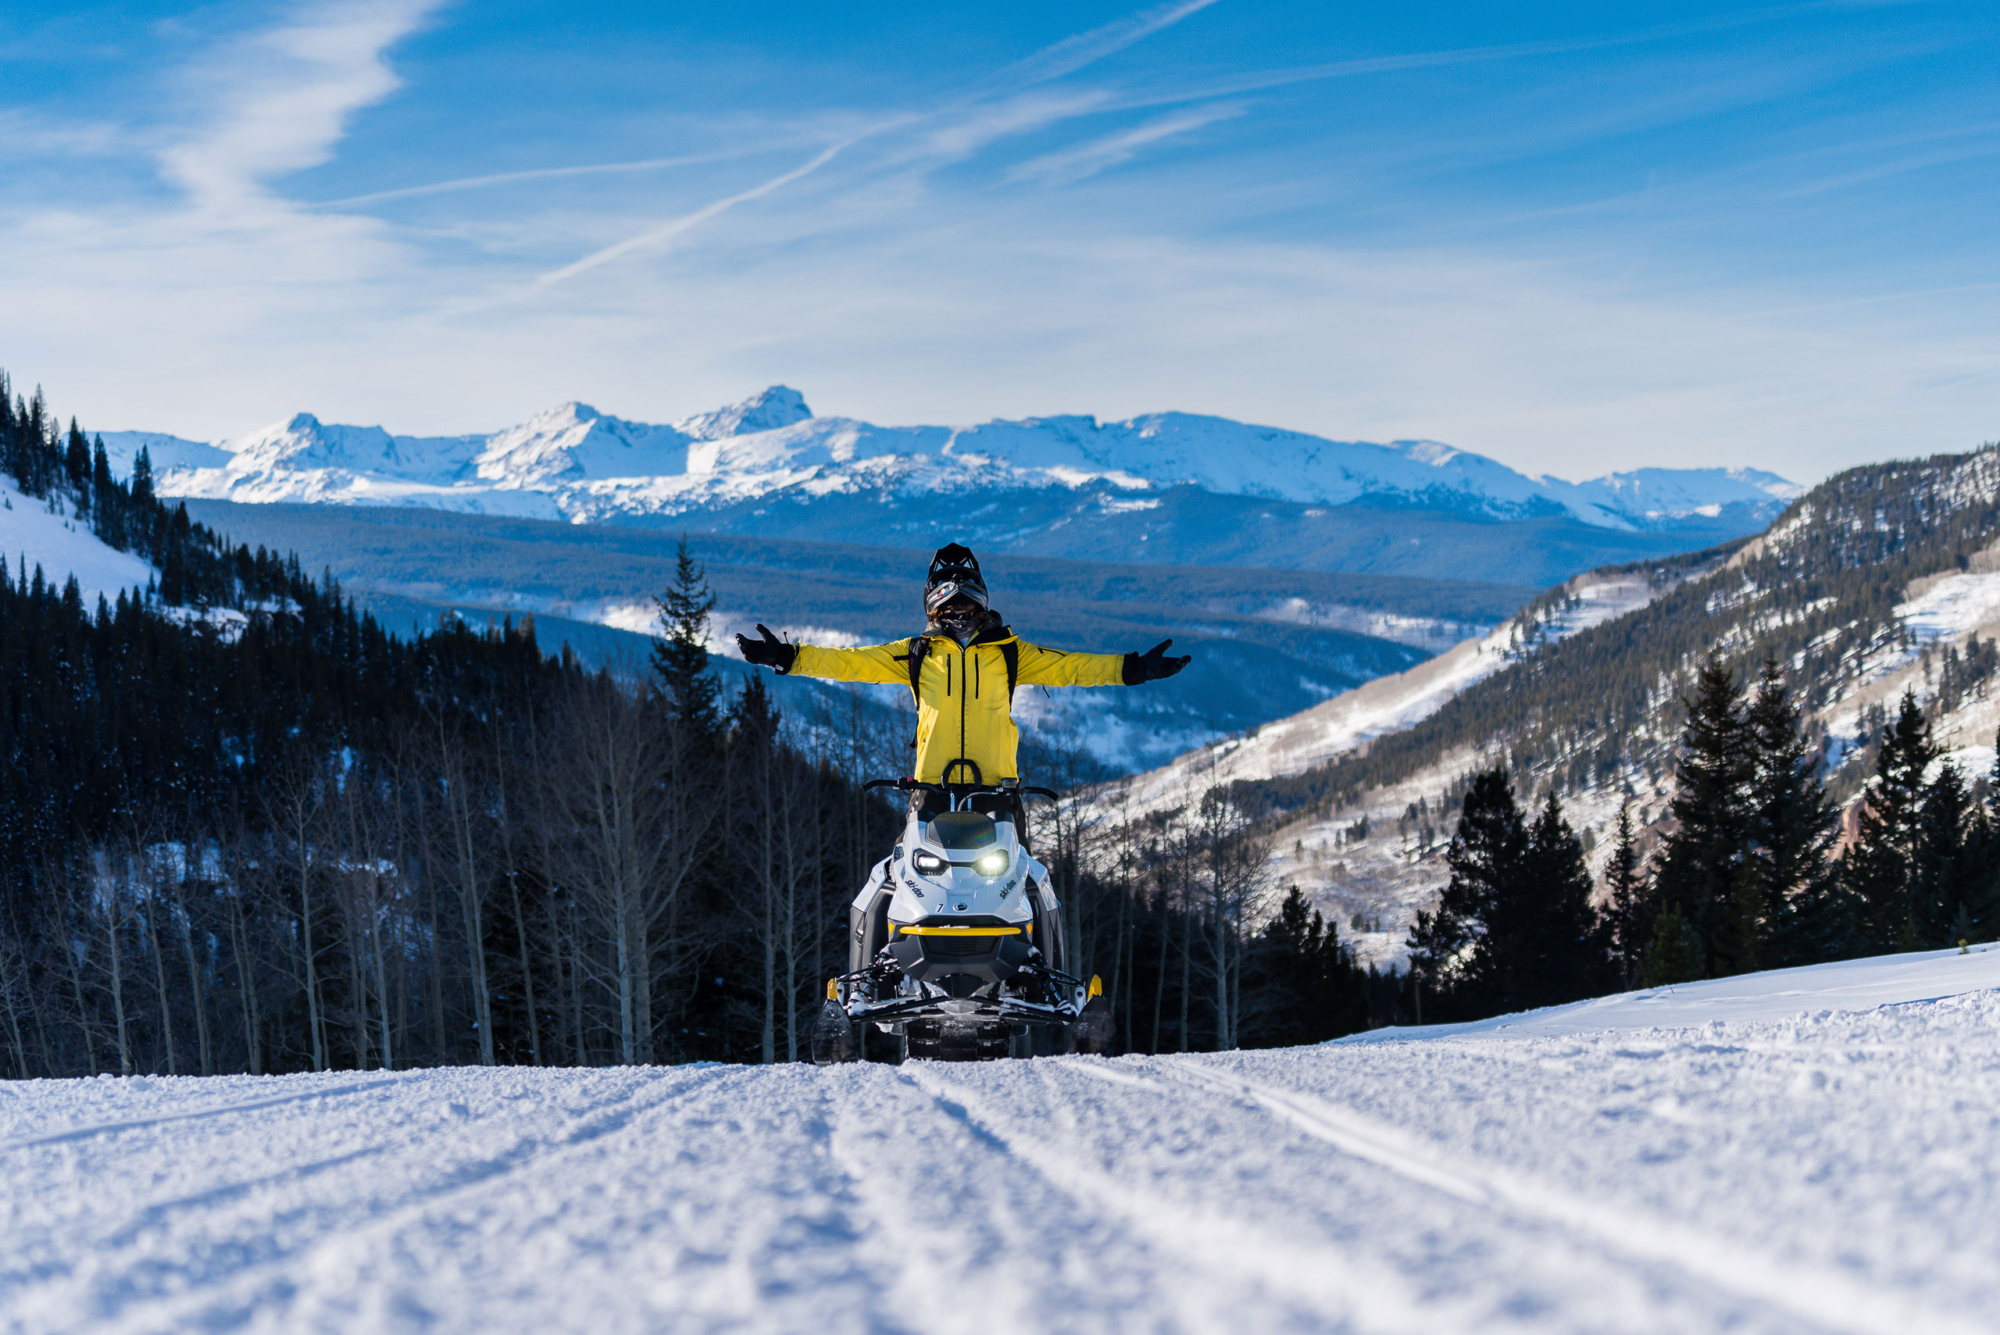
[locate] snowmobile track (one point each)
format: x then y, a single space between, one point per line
1816 1295
1310 1280
195 1115
235 1288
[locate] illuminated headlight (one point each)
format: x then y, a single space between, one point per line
928 863
991 864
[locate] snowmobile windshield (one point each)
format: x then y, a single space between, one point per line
964 831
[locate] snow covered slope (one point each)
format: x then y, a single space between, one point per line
578 463
1388 704
1802 1152
43 533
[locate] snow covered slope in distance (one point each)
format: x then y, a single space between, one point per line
579 463
1815 1156
167 453
43 533
1388 704
1665 493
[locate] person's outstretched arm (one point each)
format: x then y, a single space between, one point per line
1054 667
886 664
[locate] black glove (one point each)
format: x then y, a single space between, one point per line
772 652
1154 665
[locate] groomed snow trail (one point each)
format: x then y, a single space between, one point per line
1815 1150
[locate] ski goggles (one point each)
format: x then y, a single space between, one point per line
940 594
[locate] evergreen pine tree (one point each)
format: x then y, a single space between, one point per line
1625 916
1879 866
1564 951
1948 871
1485 857
681 658
1793 825
1301 985
1696 871
1674 951
142 479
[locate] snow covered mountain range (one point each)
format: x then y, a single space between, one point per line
576 463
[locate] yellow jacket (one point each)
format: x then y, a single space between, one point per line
964 709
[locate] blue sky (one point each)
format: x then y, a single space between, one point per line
1574 237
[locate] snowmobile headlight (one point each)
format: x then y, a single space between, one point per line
991 864
928 863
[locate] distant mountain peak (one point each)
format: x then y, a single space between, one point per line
592 467
766 410
563 414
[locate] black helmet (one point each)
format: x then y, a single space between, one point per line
954 574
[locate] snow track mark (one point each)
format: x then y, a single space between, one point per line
1247 1263
1817 1295
242 1246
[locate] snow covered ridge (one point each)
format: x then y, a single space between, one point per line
576 463
1804 1151
1390 704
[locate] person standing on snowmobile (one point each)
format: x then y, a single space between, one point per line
962 671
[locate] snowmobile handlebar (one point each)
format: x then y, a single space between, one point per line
904 786
944 790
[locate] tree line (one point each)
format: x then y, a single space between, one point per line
1753 871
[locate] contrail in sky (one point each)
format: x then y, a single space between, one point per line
688 220
532 174
1051 62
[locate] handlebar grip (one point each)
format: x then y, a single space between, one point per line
1049 793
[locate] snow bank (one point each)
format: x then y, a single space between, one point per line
1888 980
1812 1160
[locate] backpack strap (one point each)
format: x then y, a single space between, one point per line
920 646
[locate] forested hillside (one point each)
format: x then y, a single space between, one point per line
1819 592
1783 758
244 828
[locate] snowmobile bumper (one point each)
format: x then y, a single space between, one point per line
963 1010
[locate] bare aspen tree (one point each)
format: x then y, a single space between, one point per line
505 811
112 893
77 923
466 854
246 965
295 799
16 996
1234 884
630 830
197 972
147 873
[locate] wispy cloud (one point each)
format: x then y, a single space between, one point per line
27 133
1003 106
963 130
1085 160
869 255
281 100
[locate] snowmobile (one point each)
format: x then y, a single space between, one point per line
955 945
